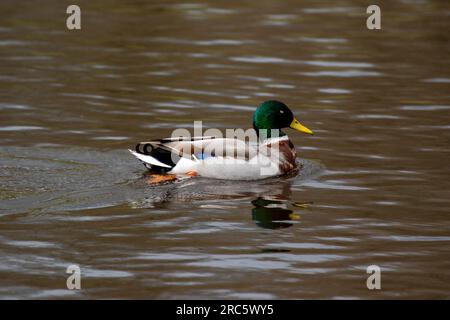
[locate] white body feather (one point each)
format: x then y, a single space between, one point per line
255 166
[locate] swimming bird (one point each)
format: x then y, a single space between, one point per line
268 153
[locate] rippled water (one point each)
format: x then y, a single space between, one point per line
374 187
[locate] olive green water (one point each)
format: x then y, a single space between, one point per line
374 188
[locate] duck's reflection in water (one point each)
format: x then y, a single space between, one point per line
274 214
273 207
270 214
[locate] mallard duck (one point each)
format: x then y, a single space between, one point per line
271 154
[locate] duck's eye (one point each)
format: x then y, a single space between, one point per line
281 111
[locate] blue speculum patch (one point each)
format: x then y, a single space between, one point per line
203 156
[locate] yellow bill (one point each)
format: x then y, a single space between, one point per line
294 216
299 127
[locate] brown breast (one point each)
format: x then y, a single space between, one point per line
287 155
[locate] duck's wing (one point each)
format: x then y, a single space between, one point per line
166 153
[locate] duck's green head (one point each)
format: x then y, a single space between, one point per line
275 115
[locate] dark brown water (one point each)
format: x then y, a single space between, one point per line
374 188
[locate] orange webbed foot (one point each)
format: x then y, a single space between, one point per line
160 178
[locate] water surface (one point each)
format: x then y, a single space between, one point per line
373 189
